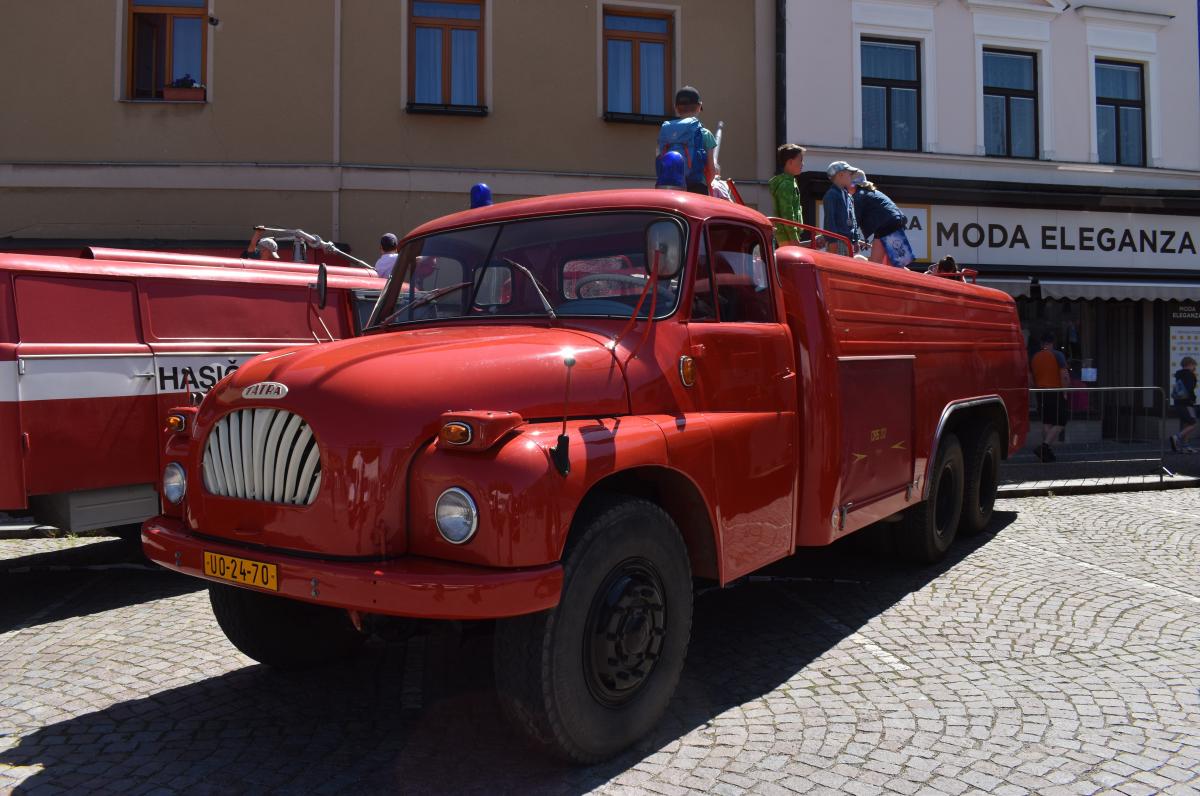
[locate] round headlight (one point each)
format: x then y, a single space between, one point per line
174 482
456 516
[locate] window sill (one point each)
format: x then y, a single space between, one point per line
162 102
634 118
447 110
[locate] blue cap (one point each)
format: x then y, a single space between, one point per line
671 169
481 195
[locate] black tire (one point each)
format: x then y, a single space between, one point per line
982 480
928 528
583 695
283 633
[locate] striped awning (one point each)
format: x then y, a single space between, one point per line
1148 290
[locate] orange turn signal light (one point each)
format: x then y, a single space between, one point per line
455 433
687 371
176 423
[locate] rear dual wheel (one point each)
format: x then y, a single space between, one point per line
928 529
591 676
982 480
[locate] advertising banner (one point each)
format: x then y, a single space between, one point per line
1005 236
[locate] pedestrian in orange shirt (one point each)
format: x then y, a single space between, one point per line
1048 369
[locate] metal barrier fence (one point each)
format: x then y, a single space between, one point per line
1107 430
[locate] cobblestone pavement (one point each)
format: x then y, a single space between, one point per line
1059 653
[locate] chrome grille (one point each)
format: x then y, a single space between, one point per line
263 454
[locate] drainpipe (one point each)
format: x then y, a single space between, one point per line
335 227
781 132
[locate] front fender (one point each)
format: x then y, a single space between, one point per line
525 505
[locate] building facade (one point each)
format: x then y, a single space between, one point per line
1052 146
189 121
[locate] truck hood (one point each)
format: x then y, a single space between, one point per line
373 403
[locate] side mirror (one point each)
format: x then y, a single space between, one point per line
665 239
322 286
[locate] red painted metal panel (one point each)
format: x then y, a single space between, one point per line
877 428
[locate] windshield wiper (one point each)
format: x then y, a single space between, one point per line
538 286
423 300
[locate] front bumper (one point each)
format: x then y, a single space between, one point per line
411 586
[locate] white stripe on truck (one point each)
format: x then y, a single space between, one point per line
63 377
8 381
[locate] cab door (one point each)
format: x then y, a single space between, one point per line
12 454
746 391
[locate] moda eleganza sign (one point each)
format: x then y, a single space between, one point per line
1005 236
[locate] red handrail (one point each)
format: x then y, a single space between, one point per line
814 231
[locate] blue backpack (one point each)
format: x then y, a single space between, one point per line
686 137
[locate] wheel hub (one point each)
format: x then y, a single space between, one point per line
626 628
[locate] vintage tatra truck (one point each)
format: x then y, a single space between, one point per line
564 413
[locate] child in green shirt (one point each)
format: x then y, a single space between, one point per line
786 194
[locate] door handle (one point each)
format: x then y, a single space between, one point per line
787 374
143 375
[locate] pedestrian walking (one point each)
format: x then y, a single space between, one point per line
1048 370
1183 395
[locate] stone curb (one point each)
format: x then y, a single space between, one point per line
1069 488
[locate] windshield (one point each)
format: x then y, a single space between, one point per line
595 265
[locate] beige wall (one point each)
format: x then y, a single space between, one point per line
181 215
545 109
78 160
270 102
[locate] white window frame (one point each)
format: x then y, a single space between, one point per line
1018 34
1132 37
900 20
676 13
488 97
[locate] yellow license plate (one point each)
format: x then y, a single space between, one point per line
241 570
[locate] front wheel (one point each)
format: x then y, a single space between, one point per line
589 677
282 633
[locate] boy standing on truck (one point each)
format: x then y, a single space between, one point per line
687 136
1183 395
1048 370
840 218
785 194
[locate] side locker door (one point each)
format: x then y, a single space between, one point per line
85 385
12 451
746 390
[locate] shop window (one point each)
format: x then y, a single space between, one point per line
168 41
1120 113
445 57
1010 104
638 50
891 95
739 272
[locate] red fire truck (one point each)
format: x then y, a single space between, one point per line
566 410
94 350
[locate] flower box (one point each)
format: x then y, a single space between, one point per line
192 94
